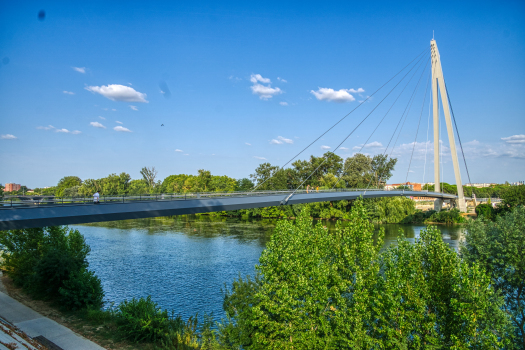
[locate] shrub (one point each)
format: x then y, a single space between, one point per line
452 216
499 248
485 210
321 290
51 263
82 290
143 320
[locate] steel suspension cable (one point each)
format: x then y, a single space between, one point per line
405 114
417 131
457 132
340 120
364 144
358 125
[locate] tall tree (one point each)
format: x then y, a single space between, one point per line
381 169
149 175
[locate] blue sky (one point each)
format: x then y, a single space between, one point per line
84 90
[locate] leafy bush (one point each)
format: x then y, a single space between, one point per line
452 216
499 248
513 197
486 211
83 289
143 320
51 263
317 290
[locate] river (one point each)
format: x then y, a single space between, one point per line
183 262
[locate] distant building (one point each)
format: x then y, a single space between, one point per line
480 185
11 187
411 185
518 183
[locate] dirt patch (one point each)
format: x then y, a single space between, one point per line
102 335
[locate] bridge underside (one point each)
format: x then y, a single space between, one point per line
30 217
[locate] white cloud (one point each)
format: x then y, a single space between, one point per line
68 92
179 150
49 127
234 78
186 154
116 121
116 92
358 91
8 137
63 130
472 143
340 96
249 144
102 117
280 140
121 129
325 147
343 148
374 144
80 69
261 158
282 80
97 125
133 108
283 103
411 171
76 132
514 139
254 78
265 92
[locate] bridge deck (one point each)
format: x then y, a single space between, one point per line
68 214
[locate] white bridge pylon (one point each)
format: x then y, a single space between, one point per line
438 82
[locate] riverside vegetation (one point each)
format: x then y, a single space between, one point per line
314 290
358 171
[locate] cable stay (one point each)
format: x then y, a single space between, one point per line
340 120
369 137
350 134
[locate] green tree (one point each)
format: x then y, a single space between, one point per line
244 184
320 290
149 175
357 171
513 197
499 248
67 182
381 169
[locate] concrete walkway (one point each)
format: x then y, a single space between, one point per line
35 325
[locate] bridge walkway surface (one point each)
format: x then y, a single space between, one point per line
29 215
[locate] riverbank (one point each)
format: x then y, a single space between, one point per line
101 335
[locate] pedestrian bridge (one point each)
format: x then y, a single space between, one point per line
30 212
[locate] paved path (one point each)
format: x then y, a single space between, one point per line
35 325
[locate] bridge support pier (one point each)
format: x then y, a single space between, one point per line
438 204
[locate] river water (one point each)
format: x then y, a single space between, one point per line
184 262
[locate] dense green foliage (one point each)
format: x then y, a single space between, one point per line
51 263
337 291
485 210
494 191
499 248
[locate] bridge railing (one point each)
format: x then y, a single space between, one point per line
38 201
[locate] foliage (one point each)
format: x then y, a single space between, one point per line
149 175
337 291
499 248
389 210
143 320
513 197
452 216
82 289
244 184
67 182
45 260
485 210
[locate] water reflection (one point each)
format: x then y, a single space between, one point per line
184 261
